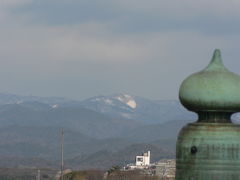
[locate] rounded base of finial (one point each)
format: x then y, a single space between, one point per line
208 151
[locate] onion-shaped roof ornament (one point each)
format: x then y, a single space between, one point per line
214 88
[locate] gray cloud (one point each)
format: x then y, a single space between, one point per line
89 47
139 15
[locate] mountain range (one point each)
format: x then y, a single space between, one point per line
100 131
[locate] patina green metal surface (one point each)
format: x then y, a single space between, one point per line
212 89
209 149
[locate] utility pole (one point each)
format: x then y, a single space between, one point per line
38 175
62 148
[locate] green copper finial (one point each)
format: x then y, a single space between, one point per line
209 149
216 62
214 89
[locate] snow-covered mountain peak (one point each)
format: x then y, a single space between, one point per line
115 99
127 99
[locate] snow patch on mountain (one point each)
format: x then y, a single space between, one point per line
55 106
132 104
128 100
127 115
19 102
95 99
109 101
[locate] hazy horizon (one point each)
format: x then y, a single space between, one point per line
76 99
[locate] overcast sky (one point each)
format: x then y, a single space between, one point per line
83 48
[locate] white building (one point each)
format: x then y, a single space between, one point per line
143 160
